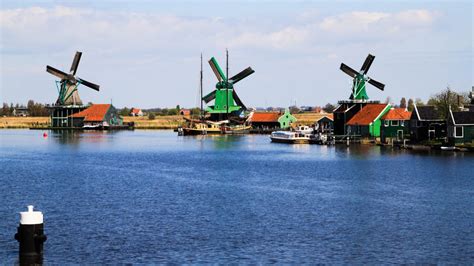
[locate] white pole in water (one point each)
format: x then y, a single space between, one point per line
31 237
347 141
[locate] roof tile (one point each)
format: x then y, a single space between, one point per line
367 114
94 113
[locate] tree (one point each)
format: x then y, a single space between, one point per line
329 108
5 109
294 109
151 116
195 111
410 106
445 100
403 103
125 111
419 102
172 111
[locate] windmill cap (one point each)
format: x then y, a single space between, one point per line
31 217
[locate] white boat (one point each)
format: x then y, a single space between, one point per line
448 148
304 130
292 137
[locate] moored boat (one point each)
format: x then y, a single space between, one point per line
291 137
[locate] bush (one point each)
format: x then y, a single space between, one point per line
151 116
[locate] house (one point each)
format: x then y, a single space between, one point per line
460 127
97 115
20 111
185 112
366 123
344 112
324 123
395 125
271 120
136 112
427 123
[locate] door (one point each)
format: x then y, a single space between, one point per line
400 134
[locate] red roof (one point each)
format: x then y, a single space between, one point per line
397 114
94 113
265 117
367 114
135 111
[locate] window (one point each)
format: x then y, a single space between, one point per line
458 132
402 123
387 123
395 123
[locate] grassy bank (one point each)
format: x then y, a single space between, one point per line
160 122
23 122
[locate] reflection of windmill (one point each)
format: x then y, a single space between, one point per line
226 100
67 86
360 79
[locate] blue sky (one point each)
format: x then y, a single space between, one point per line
146 53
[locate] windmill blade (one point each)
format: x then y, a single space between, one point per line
377 84
349 71
88 84
217 69
243 74
211 96
56 72
75 63
367 63
237 100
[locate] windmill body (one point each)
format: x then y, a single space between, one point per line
69 83
226 101
68 101
358 97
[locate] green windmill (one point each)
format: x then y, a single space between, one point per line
68 84
226 100
360 79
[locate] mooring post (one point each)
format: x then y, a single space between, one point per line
347 141
31 237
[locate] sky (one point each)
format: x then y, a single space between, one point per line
147 53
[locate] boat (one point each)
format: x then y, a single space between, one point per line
448 148
291 137
210 128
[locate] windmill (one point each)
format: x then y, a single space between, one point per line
360 79
67 86
226 100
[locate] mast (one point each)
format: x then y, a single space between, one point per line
227 85
200 87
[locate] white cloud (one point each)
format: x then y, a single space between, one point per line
381 22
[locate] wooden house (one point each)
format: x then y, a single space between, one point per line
97 116
343 113
271 120
185 112
367 122
427 123
136 112
461 128
395 125
324 123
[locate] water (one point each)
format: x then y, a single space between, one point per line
150 196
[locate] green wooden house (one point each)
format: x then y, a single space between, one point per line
461 128
286 119
395 125
367 122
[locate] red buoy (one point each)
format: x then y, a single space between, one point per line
45 134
